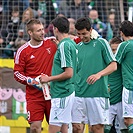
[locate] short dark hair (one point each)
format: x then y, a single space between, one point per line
116 40
31 22
61 23
83 23
127 28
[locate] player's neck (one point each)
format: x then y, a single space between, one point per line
128 38
62 36
34 43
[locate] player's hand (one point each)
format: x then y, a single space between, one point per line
93 78
54 40
44 78
34 83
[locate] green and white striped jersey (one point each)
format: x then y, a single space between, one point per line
93 57
66 56
124 56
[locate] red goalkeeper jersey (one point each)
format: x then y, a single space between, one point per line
31 61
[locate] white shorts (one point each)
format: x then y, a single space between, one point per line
79 111
61 108
97 110
115 110
127 103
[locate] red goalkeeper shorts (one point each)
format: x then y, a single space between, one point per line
36 110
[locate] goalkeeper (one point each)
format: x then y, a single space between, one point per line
32 59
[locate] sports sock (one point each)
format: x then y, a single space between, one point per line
130 128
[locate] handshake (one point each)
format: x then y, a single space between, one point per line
35 82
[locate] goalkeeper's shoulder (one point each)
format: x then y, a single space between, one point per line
51 41
23 47
22 50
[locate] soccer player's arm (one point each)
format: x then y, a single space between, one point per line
109 69
19 68
109 59
68 73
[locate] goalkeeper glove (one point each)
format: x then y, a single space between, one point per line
33 82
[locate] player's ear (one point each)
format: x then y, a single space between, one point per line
29 32
121 33
91 30
55 29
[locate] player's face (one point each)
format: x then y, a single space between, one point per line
114 47
84 35
38 32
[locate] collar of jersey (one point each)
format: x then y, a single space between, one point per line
36 45
63 40
86 43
